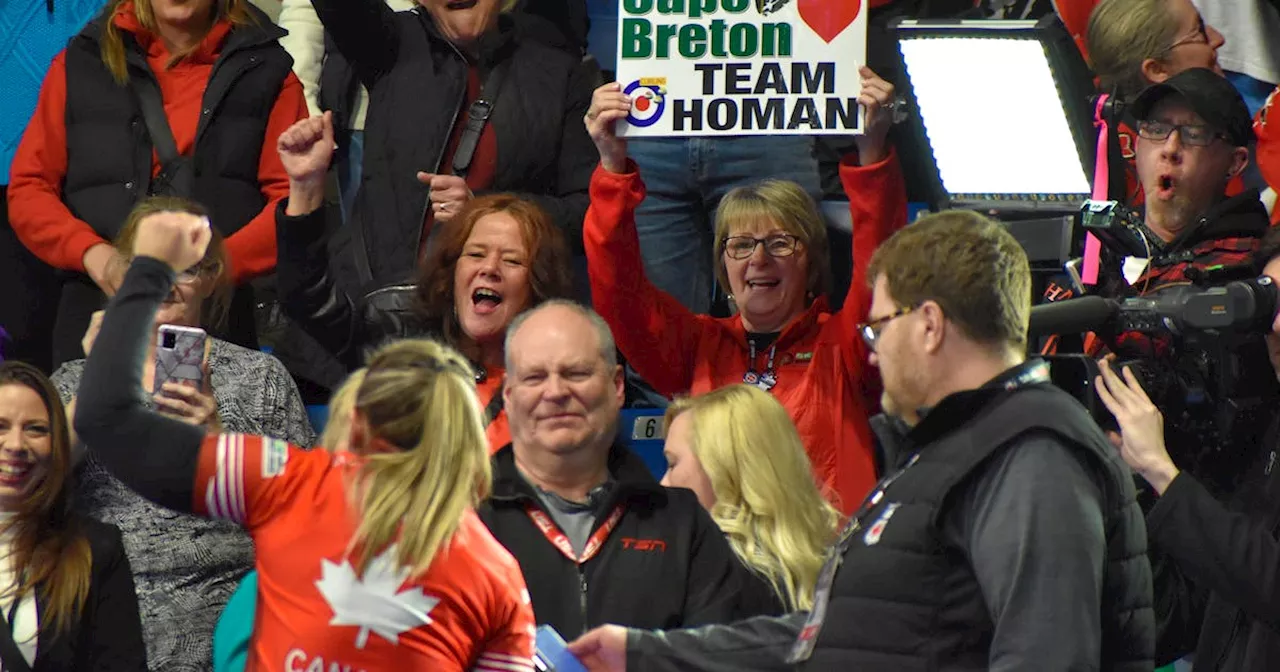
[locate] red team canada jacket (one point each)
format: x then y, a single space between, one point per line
470 611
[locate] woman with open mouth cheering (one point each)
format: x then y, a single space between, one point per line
771 252
500 256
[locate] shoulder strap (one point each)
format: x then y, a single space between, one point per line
148 93
478 116
493 408
10 656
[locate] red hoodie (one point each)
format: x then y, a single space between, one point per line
43 222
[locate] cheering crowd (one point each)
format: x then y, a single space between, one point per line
422 215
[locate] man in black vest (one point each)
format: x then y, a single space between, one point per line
1006 535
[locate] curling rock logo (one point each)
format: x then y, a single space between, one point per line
648 101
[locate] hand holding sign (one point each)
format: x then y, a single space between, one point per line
608 106
877 98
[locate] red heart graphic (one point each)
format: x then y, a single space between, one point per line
829 18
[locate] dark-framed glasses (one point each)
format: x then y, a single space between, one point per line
777 245
870 331
1198 135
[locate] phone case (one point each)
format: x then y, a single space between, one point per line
552 654
179 356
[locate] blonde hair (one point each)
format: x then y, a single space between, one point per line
788 206
418 400
767 502
342 405
112 43
1122 34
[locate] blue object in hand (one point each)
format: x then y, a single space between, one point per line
552 655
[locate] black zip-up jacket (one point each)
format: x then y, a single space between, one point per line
417 85
1229 554
665 565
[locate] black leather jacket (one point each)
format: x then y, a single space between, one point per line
346 326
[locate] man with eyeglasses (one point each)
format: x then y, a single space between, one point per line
1006 535
1194 136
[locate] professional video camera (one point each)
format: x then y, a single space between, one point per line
1197 348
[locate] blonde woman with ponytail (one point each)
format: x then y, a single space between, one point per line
737 449
370 556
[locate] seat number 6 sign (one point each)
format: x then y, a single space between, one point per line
647 428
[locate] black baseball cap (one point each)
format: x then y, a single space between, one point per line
1210 95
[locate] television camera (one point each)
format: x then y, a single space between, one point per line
1196 347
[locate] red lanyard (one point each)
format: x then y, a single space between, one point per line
560 541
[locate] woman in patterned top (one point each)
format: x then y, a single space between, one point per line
186 567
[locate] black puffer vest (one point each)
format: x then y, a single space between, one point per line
906 599
109 150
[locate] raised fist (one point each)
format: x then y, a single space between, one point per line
177 238
306 148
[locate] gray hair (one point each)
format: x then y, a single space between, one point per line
608 349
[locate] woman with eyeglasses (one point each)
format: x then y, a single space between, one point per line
186 567
771 253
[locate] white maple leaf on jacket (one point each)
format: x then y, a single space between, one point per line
374 603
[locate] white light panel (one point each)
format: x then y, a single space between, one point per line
993 116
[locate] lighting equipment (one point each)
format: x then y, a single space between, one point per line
1002 110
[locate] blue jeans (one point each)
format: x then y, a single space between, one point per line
350 161
686 178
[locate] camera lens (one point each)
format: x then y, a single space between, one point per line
170 339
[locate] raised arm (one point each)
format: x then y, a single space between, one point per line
567 202
154 455
305 43
877 196
307 289
365 33
657 335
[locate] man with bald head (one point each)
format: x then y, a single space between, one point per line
598 538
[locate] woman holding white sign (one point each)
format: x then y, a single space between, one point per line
771 251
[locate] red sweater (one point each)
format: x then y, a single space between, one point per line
824 380
43 222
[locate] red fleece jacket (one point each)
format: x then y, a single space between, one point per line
43 222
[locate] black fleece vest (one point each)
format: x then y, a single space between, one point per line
905 599
109 150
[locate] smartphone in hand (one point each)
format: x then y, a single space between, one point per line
180 356
552 653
